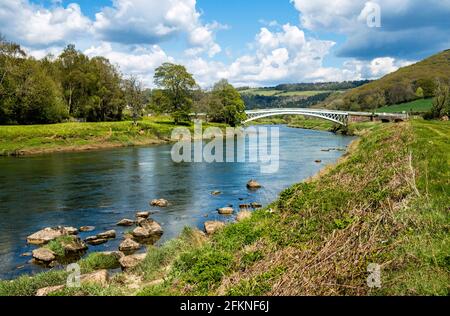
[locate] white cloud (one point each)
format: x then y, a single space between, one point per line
153 21
36 26
141 61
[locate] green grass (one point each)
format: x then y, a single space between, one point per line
28 285
16 140
418 106
318 238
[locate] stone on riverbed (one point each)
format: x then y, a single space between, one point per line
44 255
95 241
256 205
159 203
74 246
226 210
253 185
213 227
143 215
129 246
86 229
110 234
132 261
48 234
126 223
216 193
153 227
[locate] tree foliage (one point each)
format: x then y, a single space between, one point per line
226 104
176 85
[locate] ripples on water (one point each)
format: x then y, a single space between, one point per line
100 188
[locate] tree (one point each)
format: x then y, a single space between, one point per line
177 85
159 102
135 97
441 102
227 104
419 93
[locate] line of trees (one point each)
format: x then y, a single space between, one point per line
75 86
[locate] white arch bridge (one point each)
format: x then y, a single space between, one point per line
338 117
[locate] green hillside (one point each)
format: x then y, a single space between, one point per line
402 86
417 106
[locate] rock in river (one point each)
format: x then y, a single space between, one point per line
126 222
253 185
213 227
141 233
153 227
256 205
95 241
129 246
159 203
74 246
46 235
144 215
226 210
86 229
44 255
110 234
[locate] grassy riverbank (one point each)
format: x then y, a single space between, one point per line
386 202
38 139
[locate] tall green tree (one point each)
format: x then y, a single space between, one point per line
135 97
177 84
441 102
227 104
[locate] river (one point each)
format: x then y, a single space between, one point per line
102 187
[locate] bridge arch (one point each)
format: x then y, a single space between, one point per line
340 118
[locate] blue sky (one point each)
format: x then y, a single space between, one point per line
250 42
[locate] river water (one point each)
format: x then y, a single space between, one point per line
102 187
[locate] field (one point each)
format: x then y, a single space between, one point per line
385 203
37 139
418 106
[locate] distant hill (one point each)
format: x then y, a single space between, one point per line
407 84
295 95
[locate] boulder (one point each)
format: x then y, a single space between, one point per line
46 235
213 227
94 241
159 203
70 230
129 246
86 229
143 215
76 245
245 206
44 255
256 205
141 233
253 185
226 210
132 261
100 277
153 227
243 216
126 223
110 234
49 290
